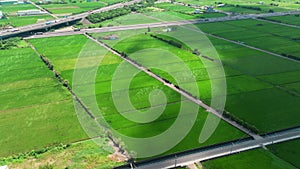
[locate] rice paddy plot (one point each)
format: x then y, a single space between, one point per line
280 39
35 110
259 159
140 88
288 19
289 151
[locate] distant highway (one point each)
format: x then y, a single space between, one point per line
202 154
160 24
48 24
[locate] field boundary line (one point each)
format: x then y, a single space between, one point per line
42 9
63 82
278 23
252 47
177 89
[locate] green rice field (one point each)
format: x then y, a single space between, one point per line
138 89
34 106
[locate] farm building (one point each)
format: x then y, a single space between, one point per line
111 37
210 9
3 2
162 1
31 12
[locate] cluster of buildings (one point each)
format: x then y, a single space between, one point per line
10 2
31 12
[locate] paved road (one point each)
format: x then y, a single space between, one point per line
178 90
42 9
190 157
160 24
43 25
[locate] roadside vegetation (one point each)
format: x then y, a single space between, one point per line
84 154
11 18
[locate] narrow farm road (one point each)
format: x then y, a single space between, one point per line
43 9
178 90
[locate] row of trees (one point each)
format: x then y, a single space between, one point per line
100 17
9 43
171 42
291 56
103 16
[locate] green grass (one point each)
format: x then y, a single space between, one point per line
242 9
73 8
259 159
289 19
175 7
283 5
35 110
174 16
288 151
85 154
13 9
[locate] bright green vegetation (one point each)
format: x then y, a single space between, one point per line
85 154
150 17
262 108
253 92
175 7
258 159
272 37
289 19
13 9
130 19
103 16
62 50
236 84
73 8
289 151
35 110
25 20
173 16
251 9
14 20
282 5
